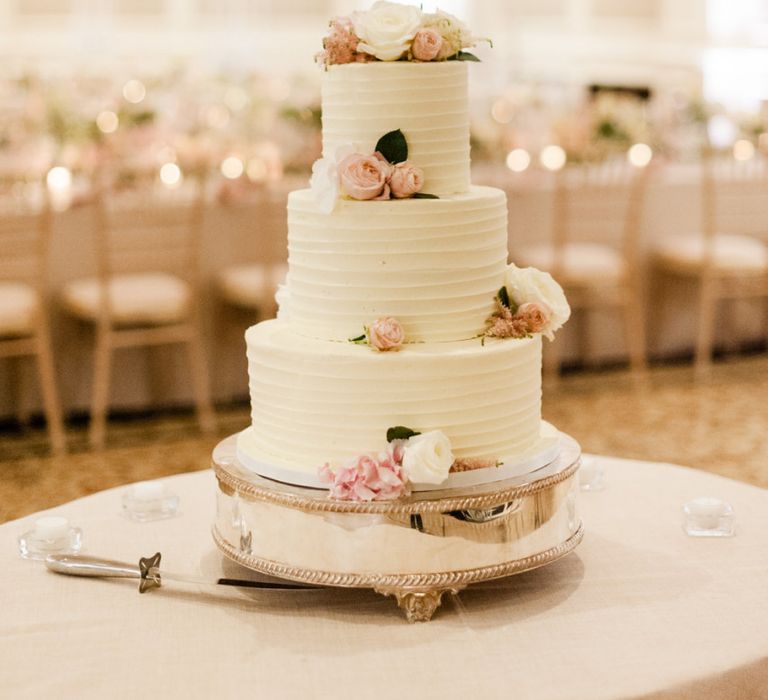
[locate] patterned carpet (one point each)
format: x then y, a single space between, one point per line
719 424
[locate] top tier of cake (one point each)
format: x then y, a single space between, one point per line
427 101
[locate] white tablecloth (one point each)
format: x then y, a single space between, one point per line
639 610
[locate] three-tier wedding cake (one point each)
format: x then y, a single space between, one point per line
407 352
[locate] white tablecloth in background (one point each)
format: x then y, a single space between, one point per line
640 610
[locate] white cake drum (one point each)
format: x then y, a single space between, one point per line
416 548
536 457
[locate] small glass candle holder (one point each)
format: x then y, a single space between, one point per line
591 475
51 534
708 517
149 500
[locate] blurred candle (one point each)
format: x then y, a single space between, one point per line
518 160
640 155
552 157
232 167
59 179
170 175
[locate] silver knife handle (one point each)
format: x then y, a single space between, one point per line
81 565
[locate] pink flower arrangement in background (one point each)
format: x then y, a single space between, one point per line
367 478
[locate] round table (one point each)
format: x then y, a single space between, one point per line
639 610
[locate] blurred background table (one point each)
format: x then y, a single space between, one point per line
639 610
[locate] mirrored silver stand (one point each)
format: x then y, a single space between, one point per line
415 549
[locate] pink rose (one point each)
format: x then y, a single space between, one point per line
386 334
366 478
364 177
426 44
534 316
406 180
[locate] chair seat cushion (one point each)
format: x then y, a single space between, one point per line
583 263
252 286
152 298
18 306
731 252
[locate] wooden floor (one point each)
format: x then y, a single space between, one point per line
719 425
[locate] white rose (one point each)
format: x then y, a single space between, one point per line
325 182
387 29
456 35
427 458
529 285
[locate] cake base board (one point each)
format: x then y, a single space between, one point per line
538 455
416 549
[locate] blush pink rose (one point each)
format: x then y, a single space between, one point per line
364 177
366 478
386 334
406 180
534 316
426 44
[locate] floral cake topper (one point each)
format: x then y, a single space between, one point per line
385 174
529 302
391 31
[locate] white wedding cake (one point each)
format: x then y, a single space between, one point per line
407 351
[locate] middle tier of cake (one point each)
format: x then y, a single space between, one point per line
434 264
317 401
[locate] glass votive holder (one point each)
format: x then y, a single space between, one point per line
149 500
708 517
591 475
51 534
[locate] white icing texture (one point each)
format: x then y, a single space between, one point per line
315 401
428 101
435 265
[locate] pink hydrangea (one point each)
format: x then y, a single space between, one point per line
340 45
367 478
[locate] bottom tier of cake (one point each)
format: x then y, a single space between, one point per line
316 401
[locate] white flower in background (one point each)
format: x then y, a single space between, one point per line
325 182
456 35
387 29
427 458
531 286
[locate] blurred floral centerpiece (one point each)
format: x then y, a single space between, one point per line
392 31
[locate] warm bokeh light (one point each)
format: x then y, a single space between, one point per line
134 91
502 111
59 178
236 98
518 160
217 116
743 150
640 155
256 170
552 157
107 121
232 167
170 175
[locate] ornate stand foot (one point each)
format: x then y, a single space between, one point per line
418 604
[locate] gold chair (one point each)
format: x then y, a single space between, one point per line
25 229
727 258
593 252
147 289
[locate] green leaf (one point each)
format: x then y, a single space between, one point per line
503 296
393 147
400 432
424 195
360 339
464 56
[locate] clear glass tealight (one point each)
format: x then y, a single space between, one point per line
51 534
591 475
149 500
708 517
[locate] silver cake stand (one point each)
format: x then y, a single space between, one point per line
415 549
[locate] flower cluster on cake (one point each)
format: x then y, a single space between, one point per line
407 350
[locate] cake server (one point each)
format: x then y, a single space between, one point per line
148 573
